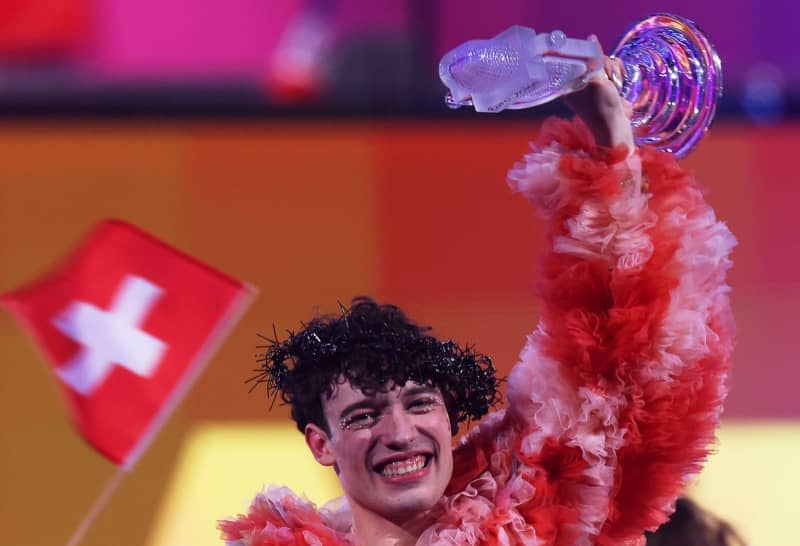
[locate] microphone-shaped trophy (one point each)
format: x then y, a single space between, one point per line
672 76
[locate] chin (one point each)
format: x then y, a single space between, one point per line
401 510
416 501
402 504
410 502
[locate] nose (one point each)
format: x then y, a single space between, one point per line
398 429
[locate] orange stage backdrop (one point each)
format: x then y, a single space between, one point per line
311 212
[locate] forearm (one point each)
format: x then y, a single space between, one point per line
600 106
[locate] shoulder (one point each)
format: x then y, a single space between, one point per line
483 500
277 516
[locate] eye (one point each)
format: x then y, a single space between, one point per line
424 404
359 420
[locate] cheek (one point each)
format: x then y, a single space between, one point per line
438 425
443 420
351 449
439 429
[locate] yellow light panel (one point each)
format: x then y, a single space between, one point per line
753 481
220 469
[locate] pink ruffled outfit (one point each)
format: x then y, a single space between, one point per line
615 398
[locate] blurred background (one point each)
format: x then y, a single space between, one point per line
306 148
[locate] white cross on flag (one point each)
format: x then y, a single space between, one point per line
127 323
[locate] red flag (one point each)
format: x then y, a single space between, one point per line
127 322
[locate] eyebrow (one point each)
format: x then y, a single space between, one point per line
366 403
419 389
374 402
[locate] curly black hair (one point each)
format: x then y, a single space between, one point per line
373 347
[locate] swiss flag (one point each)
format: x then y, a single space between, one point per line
127 322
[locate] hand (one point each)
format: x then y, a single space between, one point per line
601 107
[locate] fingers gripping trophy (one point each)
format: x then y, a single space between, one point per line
664 67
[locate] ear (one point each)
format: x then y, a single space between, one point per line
319 444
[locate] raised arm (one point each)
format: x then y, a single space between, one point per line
619 389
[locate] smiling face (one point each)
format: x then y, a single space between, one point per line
392 450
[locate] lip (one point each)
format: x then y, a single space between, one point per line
410 477
400 457
405 478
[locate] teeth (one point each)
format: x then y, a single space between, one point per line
406 466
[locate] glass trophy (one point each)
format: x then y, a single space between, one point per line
672 76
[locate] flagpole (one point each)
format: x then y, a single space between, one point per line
99 503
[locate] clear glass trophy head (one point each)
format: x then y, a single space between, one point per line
672 76
516 69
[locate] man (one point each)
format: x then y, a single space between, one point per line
611 407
